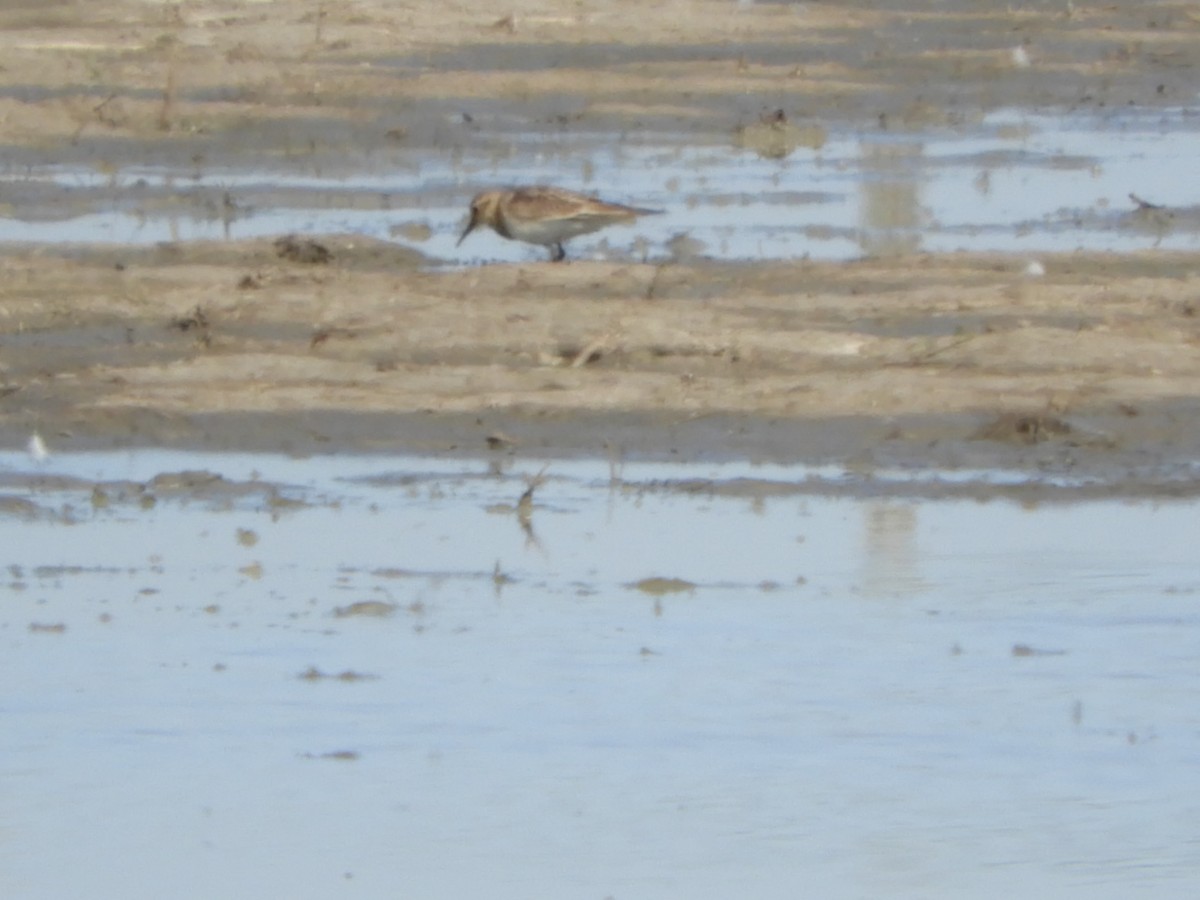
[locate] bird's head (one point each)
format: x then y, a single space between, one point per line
483 212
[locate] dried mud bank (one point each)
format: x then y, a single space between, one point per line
947 362
223 78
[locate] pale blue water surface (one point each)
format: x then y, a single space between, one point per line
853 698
1015 182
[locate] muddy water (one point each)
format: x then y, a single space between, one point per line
259 676
1013 181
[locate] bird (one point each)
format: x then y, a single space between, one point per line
546 215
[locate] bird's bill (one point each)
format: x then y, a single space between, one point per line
470 227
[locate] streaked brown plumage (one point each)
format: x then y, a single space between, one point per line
546 215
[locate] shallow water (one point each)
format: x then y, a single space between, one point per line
383 676
1014 182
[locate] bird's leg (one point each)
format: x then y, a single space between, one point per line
557 253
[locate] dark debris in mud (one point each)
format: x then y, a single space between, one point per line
1024 429
303 250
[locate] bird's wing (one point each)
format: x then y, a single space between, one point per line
547 203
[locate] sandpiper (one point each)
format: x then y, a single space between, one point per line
546 215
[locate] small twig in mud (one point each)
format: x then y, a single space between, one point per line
591 351
167 113
1144 204
500 579
1153 217
525 504
99 107
616 465
653 285
320 19
938 351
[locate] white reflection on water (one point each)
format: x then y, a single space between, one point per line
835 710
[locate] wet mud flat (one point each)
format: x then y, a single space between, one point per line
229 79
927 362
